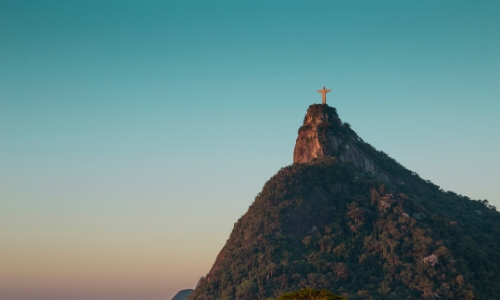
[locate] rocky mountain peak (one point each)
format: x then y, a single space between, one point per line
318 137
323 134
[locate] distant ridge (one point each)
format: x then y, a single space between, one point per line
350 219
183 295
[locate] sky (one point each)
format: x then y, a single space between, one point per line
134 134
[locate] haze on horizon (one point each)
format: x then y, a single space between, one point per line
134 135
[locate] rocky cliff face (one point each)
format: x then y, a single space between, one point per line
316 137
323 134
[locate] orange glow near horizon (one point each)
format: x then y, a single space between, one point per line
106 267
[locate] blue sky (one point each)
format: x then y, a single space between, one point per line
134 134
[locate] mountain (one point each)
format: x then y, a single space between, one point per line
348 218
183 295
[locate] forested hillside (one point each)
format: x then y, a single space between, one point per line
332 224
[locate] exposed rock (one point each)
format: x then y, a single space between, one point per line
432 259
323 134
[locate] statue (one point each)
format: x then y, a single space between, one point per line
323 93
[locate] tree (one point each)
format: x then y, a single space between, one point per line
310 294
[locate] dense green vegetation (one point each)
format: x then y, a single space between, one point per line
310 294
328 225
317 226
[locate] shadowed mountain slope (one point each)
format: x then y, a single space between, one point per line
348 218
183 295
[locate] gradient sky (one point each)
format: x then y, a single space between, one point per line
133 134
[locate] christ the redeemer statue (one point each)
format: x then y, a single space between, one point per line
323 93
